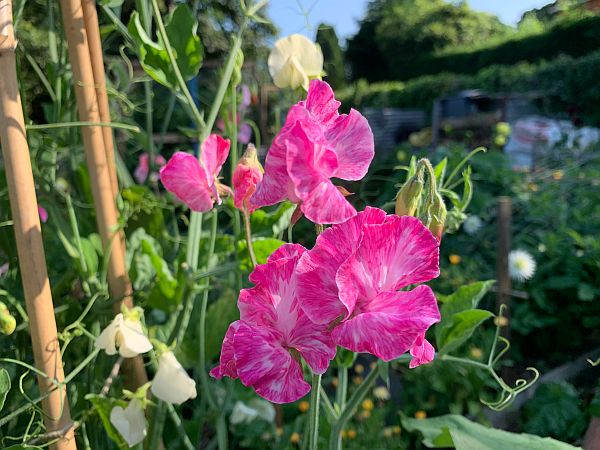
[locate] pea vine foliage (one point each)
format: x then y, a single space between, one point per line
358 290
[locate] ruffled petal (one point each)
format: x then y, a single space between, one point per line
326 204
215 150
133 341
245 179
227 367
391 324
314 343
184 176
422 352
321 102
265 365
352 139
392 255
317 290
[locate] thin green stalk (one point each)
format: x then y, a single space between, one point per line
335 440
179 426
50 126
162 32
233 154
149 124
342 387
166 121
158 424
313 417
248 229
76 235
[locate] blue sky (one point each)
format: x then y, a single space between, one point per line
344 14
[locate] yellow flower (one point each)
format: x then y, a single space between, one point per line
351 434
294 61
368 405
420 415
294 438
359 368
381 393
533 187
357 379
279 431
455 259
558 175
335 382
501 321
388 432
303 406
365 414
396 429
344 434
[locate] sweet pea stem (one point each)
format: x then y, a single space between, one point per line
315 400
248 228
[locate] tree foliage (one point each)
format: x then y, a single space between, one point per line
334 64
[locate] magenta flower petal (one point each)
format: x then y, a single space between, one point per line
184 176
316 144
317 267
141 171
245 133
315 346
215 150
390 324
352 139
392 255
43 214
422 352
227 365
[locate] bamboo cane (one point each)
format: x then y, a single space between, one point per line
90 17
99 169
28 233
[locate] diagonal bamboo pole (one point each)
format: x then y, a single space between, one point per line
90 17
28 233
99 169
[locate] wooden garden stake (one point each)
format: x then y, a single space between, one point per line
28 234
90 17
503 295
99 169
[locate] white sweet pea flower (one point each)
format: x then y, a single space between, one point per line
130 422
124 335
171 383
521 265
294 61
246 413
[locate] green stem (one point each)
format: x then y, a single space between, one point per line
248 229
50 126
149 124
313 417
342 387
179 425
462 163
76 235
335 440
162 32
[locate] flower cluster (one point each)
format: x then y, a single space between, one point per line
125 336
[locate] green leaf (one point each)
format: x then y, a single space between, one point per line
344 357
90 255
103 406
467 190
384 372
4 386
21 447
586 292
453 431
271 223
219 316
263 248
459 316
440 171
460 329
181 31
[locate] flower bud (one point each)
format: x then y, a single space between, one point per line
247 174
7 321
438 216
409 197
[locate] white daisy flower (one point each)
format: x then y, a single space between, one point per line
172 383
472 225
294 61
521 265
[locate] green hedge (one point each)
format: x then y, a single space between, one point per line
572 38
564 83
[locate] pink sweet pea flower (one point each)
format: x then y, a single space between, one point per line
314 145
43 214
143 168
351 280
264 347
246 175
195 182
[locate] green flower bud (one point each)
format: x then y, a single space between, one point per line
409 196
438 216
7 321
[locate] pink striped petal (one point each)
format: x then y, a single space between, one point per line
321 102
392 255
422 352
215 150
352 140
390 324
317 268
184 176
265 365
313 342
227 366
326 204
245 178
